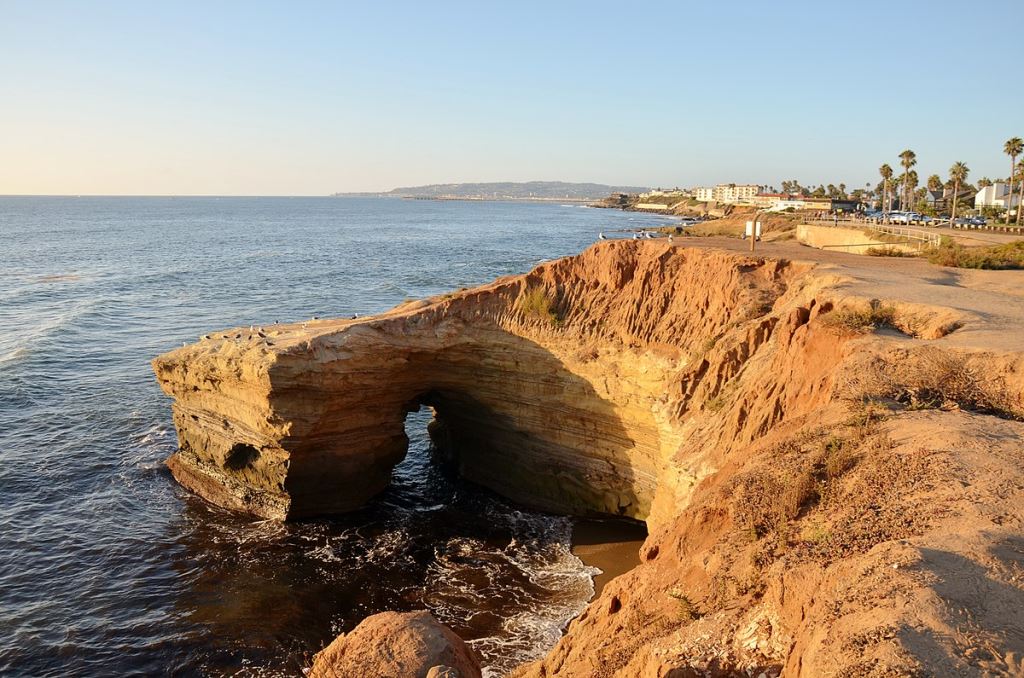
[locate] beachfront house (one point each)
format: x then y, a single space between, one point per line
997 195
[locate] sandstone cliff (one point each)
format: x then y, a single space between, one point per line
827 457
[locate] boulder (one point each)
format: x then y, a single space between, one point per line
398 645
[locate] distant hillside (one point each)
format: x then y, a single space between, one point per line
507 190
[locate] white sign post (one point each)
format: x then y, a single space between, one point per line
753 231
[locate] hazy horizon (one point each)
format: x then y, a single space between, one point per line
115 98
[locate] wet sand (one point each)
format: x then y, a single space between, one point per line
613 546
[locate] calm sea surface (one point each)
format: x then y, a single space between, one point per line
107 567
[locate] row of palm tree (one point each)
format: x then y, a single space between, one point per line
1014 147
957 177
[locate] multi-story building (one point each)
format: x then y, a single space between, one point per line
727 193
732 193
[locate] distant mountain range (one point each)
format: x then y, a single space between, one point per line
508 190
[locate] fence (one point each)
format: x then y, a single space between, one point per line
929 238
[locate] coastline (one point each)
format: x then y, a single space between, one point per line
612 546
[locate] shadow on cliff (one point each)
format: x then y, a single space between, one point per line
538 434
973 600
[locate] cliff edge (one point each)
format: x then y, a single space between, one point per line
827 453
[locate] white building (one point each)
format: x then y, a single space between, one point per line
996 195
727 193
731 193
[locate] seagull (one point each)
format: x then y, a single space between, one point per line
224 336
270 343
316 317
601 236
275 322
261 335
250 328
636 237
670 237
354 316
238 336
648 235
206 337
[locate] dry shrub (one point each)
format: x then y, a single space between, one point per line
840 456
534 301
764 502
687 610
862 319
877 502
932 378
754 503
889 251
1000 257
797 494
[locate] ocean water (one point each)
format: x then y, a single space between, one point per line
107 567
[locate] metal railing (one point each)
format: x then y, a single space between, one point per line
930 239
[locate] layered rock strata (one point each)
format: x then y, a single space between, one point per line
559 388
827 452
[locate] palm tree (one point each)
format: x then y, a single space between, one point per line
934 183
958 175
911 184
886 173
984 182
1013 147
907 159
1020 178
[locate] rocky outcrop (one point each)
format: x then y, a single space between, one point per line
554 388
410 645
826 454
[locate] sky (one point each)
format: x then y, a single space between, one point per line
307 98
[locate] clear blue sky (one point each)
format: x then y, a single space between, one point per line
310 98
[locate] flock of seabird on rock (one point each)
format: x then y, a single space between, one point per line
642 235
260 334
255 332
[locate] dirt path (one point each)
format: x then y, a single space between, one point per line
994 298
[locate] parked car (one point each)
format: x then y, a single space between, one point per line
977 221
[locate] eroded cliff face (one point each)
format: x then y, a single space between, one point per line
561 389
819 459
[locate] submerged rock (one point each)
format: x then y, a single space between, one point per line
409 645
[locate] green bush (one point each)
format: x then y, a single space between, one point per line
536 302
999 257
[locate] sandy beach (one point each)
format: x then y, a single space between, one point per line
613 546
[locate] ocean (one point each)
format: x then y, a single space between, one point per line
107 567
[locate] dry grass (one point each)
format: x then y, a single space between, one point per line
931 378
840 456
686 609
535 302
862 319
889 251
799 492
1000 257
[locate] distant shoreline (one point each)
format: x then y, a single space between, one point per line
474 198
